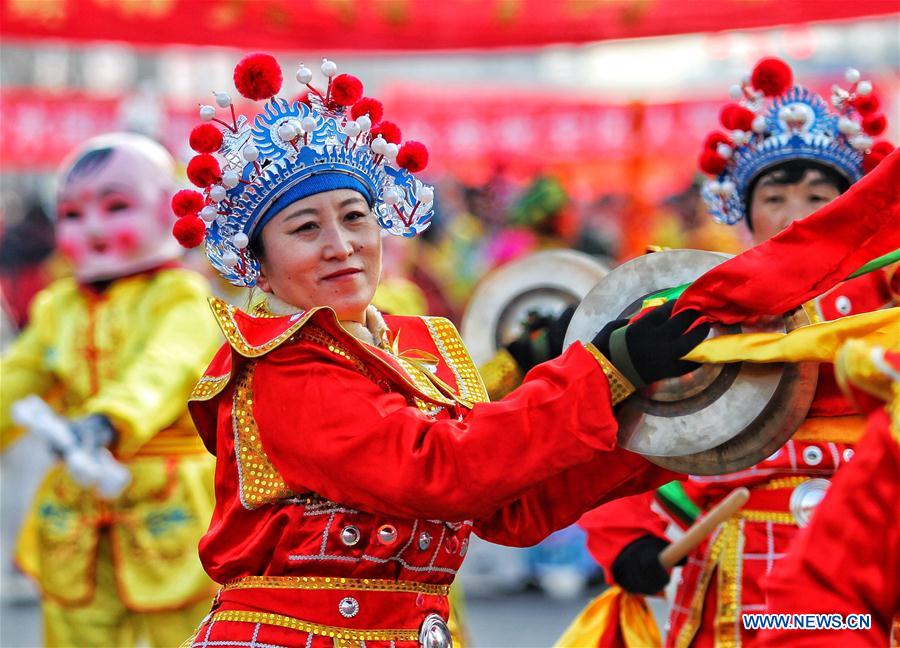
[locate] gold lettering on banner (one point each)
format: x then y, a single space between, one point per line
45 11
227 14
343 10
394 11
627 11
138 8
508 11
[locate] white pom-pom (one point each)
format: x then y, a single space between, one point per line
739 137
217 193
222 99
207 112
735 92
759 124
351 129
230 259
308 124
726 188
851 75
784 113
713 187
861 142
378 145
391 196
724 150
864 88
745 80
304 74
230 179
329 68
240 240
425 194
250 153
209 213
847 126
364 122
288 131
390 151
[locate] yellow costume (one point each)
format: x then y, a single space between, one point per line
132 353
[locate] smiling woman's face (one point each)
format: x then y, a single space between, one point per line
323 250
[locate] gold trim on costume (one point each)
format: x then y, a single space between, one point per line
692 620
224 314
728 606
831 429
334 632
620 387
777 517
258 479
782 482
208 387
501 374
335 583
468 381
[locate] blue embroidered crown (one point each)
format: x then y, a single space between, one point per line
796 125
246 168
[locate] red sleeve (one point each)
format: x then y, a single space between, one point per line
613 526
560 501
847 561
330 430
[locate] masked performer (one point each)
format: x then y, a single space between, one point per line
786 154
111 536
357 452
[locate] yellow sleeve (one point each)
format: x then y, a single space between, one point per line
23 369
500 374
181 338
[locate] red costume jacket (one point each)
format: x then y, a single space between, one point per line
724 576
349 477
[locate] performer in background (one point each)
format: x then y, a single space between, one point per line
357 452
785 154
111 536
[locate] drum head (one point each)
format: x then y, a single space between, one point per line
546 282
719 418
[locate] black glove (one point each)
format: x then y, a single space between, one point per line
651 348
637 569
93 431
541 340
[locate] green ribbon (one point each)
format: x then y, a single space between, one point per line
875 264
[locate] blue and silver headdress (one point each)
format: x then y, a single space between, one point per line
252 169
797 124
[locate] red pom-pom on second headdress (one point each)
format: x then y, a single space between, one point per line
874 124
258 76
876 154
735 117
711 162
346 89
772 76
714 139
368 106
389 131
866 104
203 170
187 202
412 156
206 138
189 231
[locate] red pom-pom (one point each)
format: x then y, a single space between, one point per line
346 89
866 105
882 148
187 202
258 76
203 170
735 117
189 231
711 162
389 131
206 138
368 106
772 76
412 156
870 161
303 98
714 139
874 124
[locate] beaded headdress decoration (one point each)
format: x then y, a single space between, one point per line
242 168
772 121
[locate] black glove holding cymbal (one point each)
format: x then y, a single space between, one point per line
542 338
651 347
